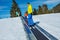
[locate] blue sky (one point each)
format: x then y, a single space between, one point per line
5 5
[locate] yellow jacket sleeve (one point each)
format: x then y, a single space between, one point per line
29 9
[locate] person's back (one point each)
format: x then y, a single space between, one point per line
29 9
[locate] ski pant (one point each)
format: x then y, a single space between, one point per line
30 20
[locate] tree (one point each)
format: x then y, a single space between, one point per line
45 9
39 9
35 12
14 9
56 9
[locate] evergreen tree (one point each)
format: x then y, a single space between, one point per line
56 9
15 9
45 9
39 10
35 12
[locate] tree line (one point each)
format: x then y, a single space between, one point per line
41 9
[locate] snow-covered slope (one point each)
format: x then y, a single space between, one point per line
50 23
12 29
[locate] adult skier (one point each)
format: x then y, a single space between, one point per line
29 17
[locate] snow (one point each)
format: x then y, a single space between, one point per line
12 29
50 23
